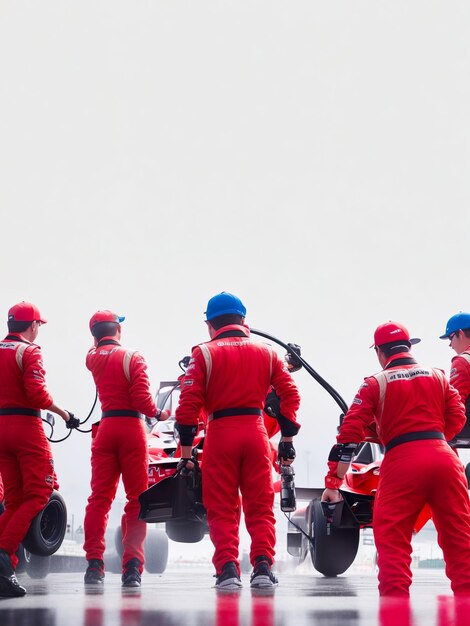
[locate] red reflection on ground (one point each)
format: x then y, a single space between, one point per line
453 611
395 612
262 611
227 609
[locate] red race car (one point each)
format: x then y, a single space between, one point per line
331 533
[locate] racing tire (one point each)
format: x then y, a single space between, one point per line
22 556
35 566
332 554
47 530
38 566
156 551
185 531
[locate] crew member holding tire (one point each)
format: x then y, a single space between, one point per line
416 412
119 447
229 377
26 463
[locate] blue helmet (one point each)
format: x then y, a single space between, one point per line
224 303
459 321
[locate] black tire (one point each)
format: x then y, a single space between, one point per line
47 530
38 566
156 551
22 556
332 553
185 531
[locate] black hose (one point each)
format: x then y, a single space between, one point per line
81 430
88 430
333 393
52 432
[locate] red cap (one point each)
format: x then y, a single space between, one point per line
105 316
25 312
392 331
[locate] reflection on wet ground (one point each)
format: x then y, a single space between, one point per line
179 598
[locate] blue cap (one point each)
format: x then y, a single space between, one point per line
459 321
224 303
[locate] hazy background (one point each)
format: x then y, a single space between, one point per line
311 157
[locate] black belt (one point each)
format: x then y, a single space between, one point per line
19 411
417 436
236 411
121 413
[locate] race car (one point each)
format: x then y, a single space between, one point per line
330 532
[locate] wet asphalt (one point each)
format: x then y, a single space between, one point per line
186 596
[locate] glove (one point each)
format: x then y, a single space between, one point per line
183 468
73 422
286 451
293 363
272 404
185 362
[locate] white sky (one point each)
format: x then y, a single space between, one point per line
311 157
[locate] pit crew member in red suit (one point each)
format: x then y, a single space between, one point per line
230 377
119 447
26 463
458 333
416 412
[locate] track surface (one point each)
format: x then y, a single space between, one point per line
186 596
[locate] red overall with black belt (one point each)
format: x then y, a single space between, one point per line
119 447
416 412
229 377
26 463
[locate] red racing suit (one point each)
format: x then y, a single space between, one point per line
26 463
229 377
408 398
119 447
460 379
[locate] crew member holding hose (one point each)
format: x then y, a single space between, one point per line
416 412
229 377
119 447
26 463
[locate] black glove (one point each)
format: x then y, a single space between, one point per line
184 363
73 422
272 405
293 363
183 468
286 451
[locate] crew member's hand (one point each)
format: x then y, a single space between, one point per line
331 495
292 360
286 452
185 466
272 405
72 422
163 415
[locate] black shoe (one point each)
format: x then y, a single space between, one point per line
262 576
131 575
6 568
10 587
94 574
229 577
